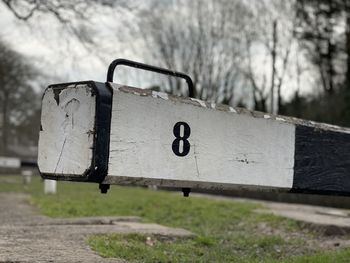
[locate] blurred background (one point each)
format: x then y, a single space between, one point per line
284 57
288 57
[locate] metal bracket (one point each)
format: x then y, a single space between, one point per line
138 65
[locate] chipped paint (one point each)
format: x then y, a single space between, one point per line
200 102
226 150
162 95
67 130
142 136
240 111
280 119
312 122
232 110
115 86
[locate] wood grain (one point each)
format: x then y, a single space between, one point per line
225 147
322 161
67 130
155 138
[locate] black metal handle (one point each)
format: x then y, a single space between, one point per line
129 63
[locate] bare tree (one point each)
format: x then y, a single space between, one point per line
73 16
270 35
323 34
17 97
221 44
64 11
61 9
201 39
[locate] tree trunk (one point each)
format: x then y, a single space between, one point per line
3 149
346 111
273 54
347 48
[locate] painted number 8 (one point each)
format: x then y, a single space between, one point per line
181 146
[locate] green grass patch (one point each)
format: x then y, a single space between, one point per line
148 248
142 248
338 256
226 231
14 183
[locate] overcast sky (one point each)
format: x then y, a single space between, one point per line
56 53
62 58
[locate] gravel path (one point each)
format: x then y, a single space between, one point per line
27 236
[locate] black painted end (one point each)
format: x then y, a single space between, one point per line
104 188
322 162
103 124
186 192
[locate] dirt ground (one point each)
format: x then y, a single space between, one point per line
27 236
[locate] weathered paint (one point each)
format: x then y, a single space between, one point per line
200 102
280 119
232 110
156 94
67 130
225 148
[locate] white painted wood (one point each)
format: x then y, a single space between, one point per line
10 162
226 147
50 186
66 138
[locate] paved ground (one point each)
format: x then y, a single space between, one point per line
27 236
334 220
331 221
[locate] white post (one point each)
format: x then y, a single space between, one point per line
27 176
10 162
50 186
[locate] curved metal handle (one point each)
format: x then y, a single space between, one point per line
129 63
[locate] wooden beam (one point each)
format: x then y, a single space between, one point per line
16 163
10 162
145 137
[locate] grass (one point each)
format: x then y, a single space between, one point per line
148 248
226 231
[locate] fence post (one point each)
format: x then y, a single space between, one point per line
50 186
